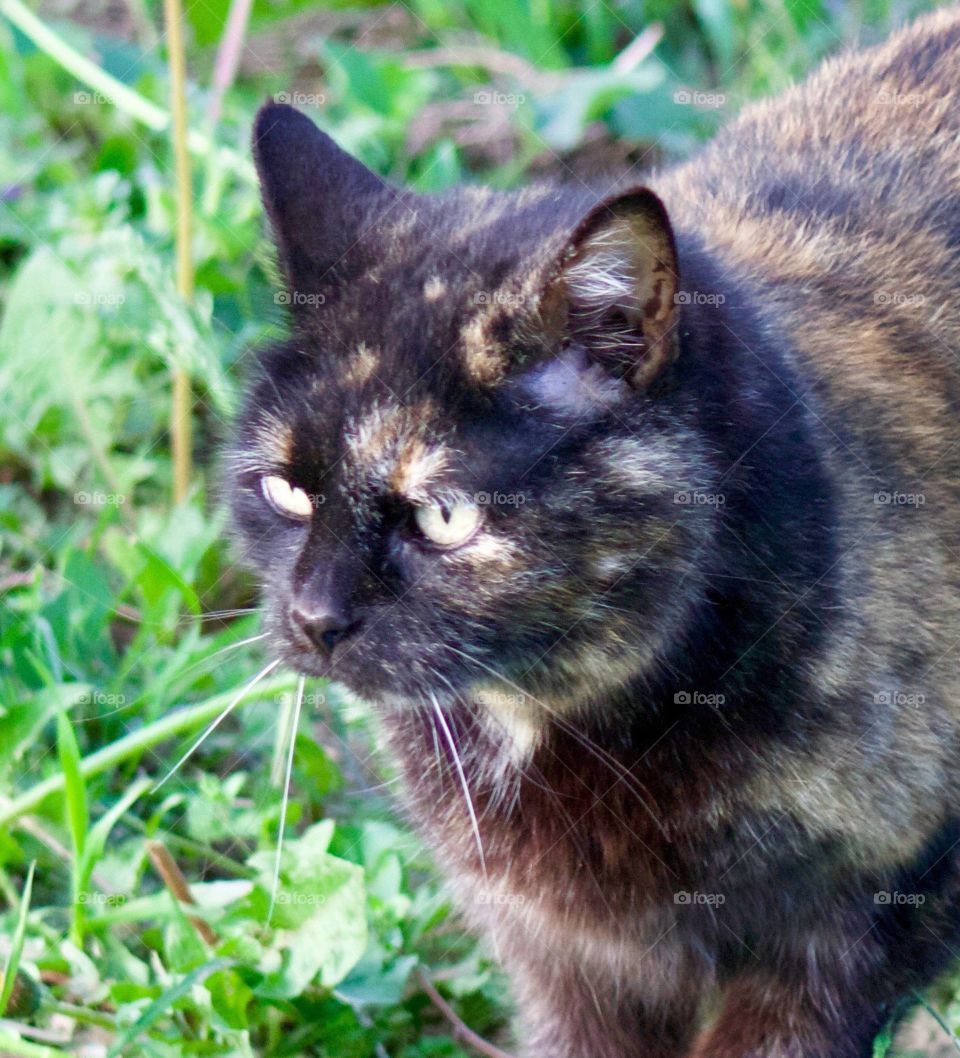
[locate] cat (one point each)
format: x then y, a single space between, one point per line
634 509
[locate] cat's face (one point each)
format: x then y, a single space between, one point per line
454 469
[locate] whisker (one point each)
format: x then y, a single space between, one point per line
463 780
540 782
379 786
436 748
223 650
591 747
218 721
214 615
294 725
129 613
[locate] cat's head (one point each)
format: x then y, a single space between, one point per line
464 463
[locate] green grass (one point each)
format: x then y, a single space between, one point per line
121 613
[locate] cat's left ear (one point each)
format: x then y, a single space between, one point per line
615 287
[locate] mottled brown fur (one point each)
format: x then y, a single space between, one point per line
701 668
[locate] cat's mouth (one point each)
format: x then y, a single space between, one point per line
393 671
371 663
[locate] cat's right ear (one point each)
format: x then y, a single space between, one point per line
615 287
318 197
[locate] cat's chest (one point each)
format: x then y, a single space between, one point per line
573 849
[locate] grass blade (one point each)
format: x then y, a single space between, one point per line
164 1002
78 816
16 945
136 743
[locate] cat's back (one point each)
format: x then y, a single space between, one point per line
841 169
836 206
834 210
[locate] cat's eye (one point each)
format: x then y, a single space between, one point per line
447 525
286 499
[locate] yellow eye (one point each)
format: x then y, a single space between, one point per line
286 499
448 526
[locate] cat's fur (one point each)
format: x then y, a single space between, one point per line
700 660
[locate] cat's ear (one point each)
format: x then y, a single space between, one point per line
616 286
317 196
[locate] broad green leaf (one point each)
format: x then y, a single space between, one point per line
319 915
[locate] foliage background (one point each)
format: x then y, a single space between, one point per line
117 606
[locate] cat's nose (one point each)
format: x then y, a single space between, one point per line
324 625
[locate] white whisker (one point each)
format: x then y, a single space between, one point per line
463 780
213 615
222 650
294 725
218 721
624 773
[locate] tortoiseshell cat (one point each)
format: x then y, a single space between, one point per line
646 501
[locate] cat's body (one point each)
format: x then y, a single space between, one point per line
698 653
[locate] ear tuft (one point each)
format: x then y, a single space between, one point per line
619 279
